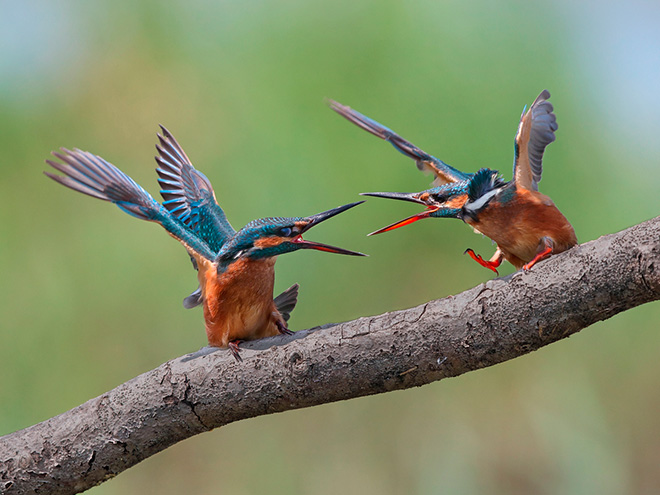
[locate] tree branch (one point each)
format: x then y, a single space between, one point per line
494 322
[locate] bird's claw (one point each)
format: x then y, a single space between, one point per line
235 350
477 257
283 329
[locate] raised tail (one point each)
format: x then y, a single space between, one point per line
92 175
286 301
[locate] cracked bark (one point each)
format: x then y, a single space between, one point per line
494 322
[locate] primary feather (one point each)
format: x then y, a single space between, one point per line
188 194
444 173
536 131
92 175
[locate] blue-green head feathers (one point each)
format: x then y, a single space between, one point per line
483 182
483 187
268 237
243 242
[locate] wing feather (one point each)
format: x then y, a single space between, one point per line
444 173
189 195
92 175
536 131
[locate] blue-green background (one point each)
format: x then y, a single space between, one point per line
90 297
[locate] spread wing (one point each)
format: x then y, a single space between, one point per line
444 174
536 130
92 175
188 194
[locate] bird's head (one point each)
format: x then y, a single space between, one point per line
268 237
445 201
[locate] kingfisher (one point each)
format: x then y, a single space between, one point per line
235 269
524 223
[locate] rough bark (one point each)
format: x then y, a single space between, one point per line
491 323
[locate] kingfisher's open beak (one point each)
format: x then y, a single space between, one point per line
313 220
413 198
407 221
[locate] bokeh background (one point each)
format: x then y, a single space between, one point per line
90 297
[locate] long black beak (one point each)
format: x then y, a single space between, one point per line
323 216
412 197
313 220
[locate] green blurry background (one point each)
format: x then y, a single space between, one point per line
90 297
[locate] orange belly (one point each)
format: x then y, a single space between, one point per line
238 303
517 226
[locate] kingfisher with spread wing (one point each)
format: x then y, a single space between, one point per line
525 224
235 269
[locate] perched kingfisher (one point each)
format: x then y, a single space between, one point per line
525 224
235 269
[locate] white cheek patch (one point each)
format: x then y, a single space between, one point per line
482 200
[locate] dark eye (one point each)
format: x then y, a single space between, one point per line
285 232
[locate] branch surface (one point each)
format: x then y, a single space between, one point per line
493 322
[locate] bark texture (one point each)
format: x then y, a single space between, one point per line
494 322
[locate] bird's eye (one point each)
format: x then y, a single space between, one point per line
285 232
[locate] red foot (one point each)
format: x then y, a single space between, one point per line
491 265
282 328
233 348
540 256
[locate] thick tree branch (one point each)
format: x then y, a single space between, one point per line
491 323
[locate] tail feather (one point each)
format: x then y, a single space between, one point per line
194 299
286 301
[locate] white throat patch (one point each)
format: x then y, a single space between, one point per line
481 201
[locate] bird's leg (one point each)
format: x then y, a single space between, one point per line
282 328
491 264
496 259
233 348
546 245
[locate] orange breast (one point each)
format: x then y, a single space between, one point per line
517 226
238 303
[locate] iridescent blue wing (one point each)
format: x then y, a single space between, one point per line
188 194
536 131
92 175
444 174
